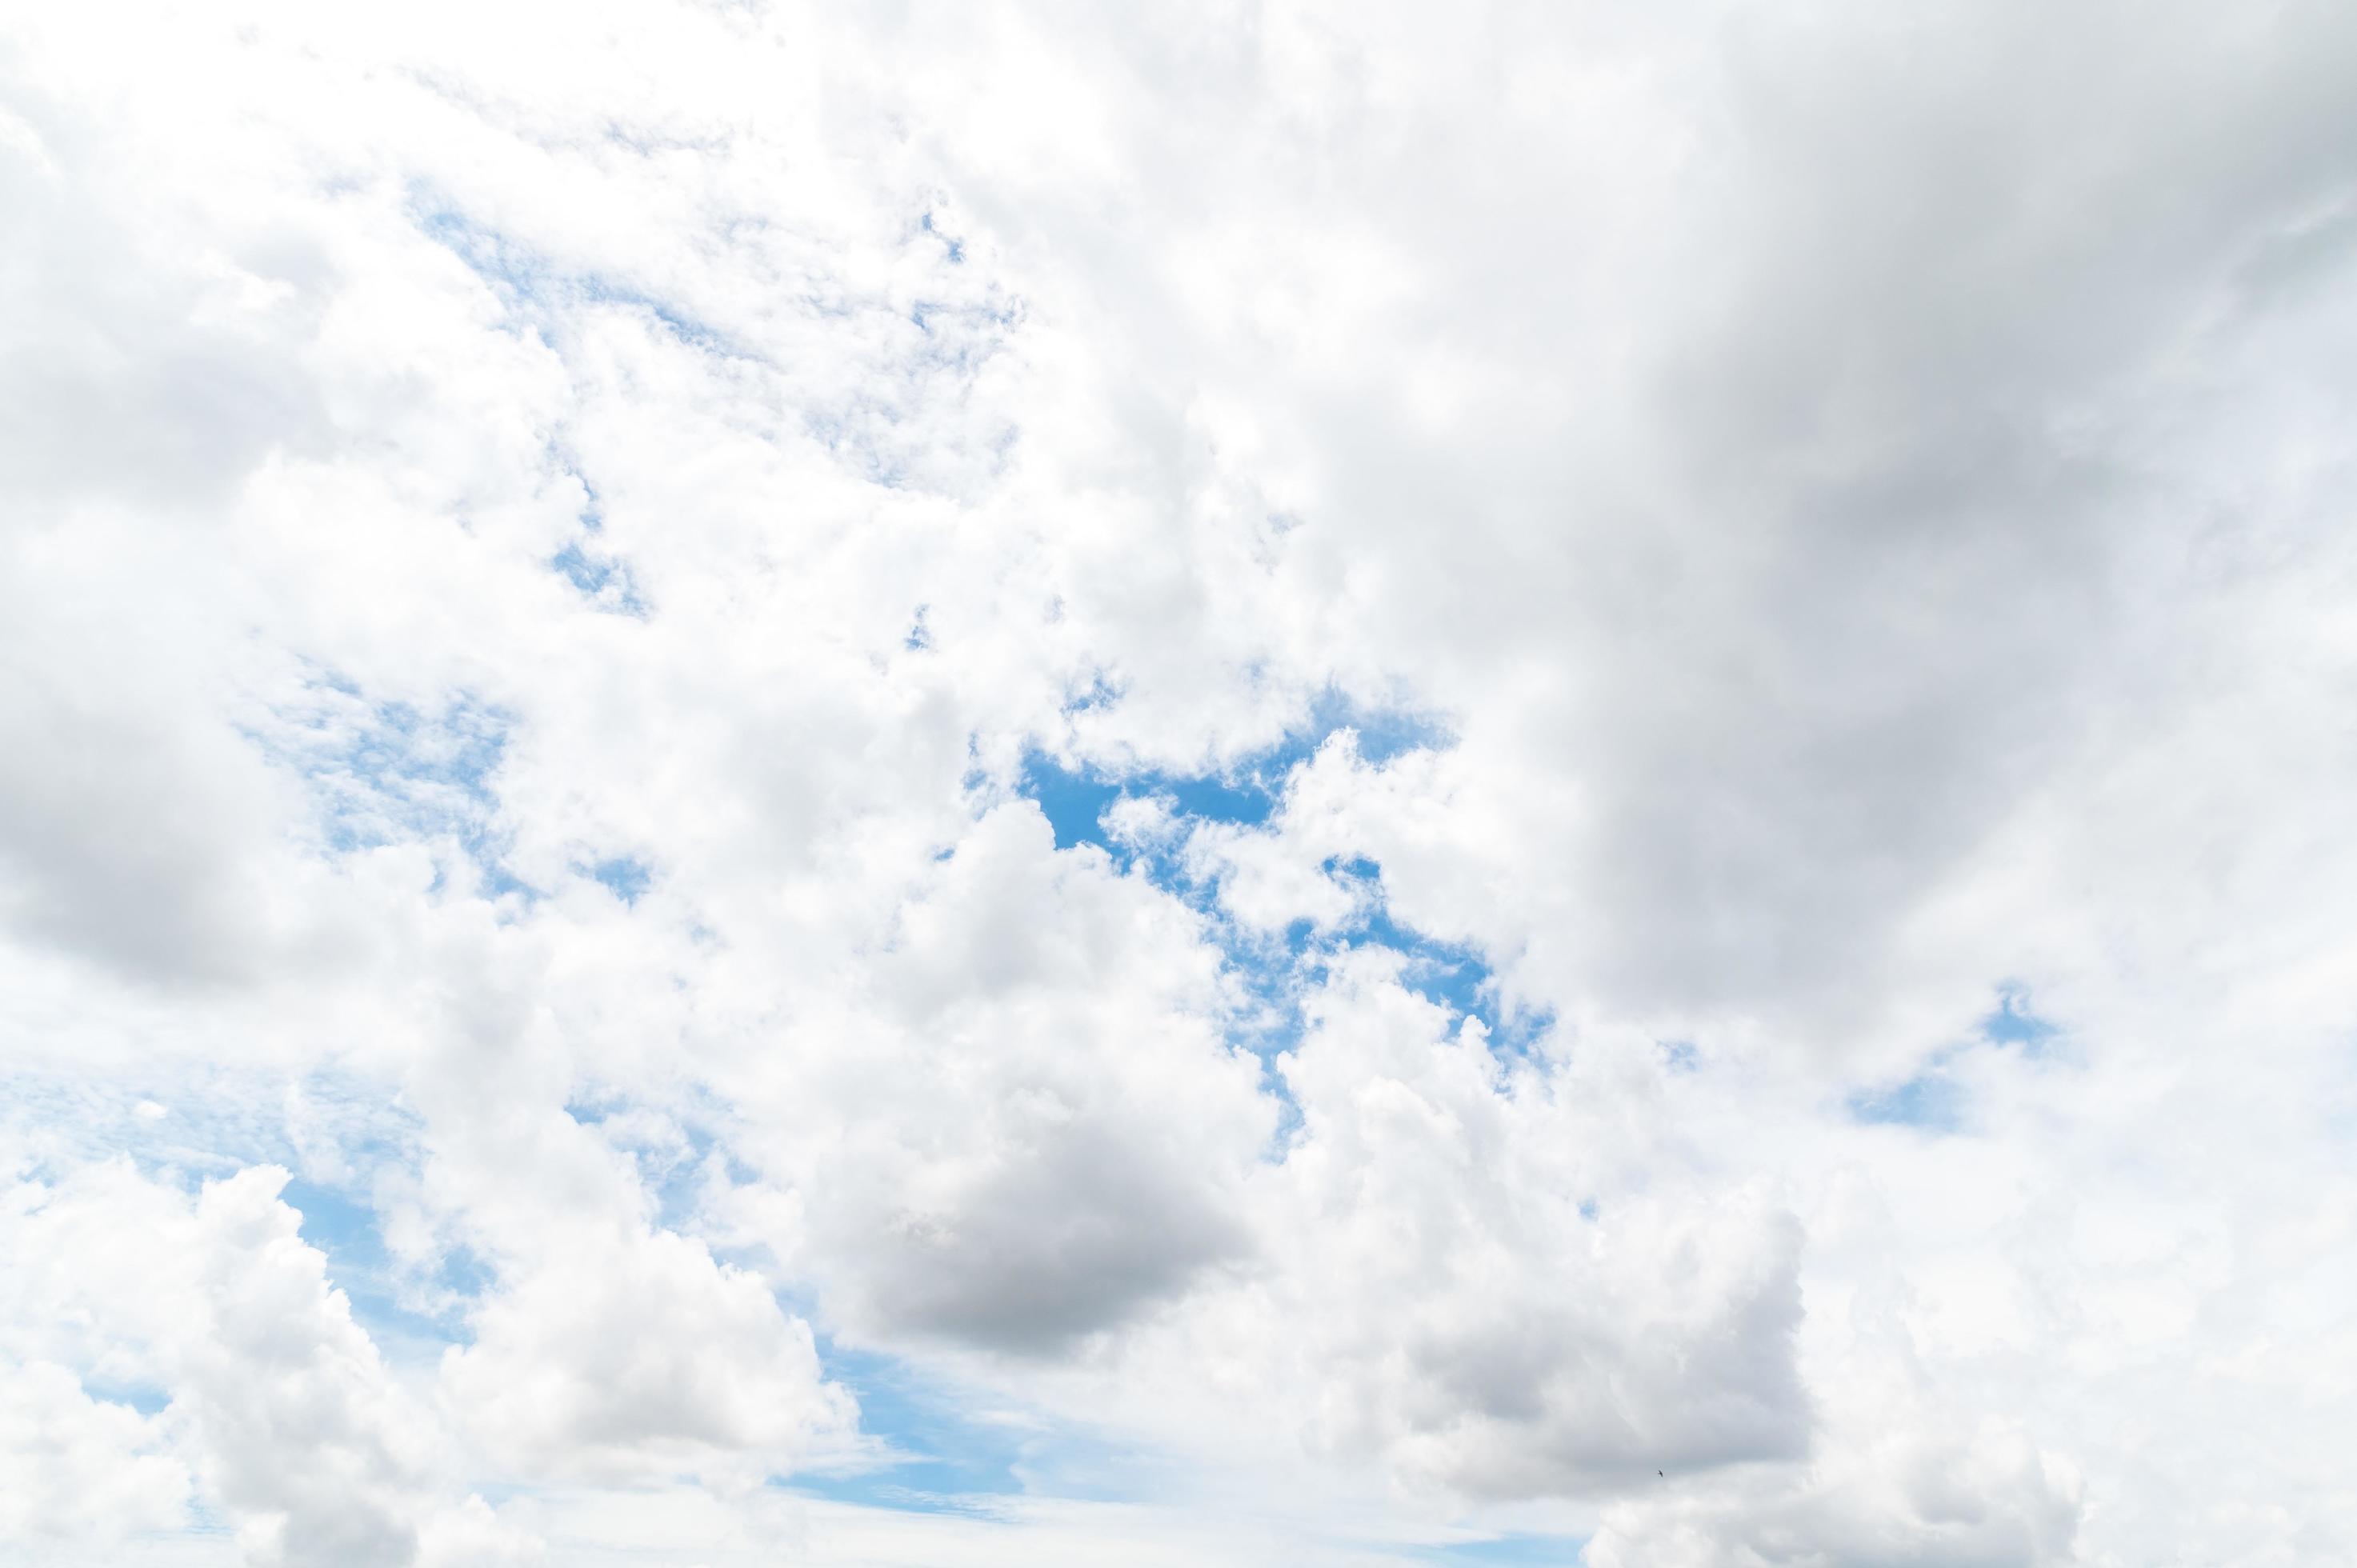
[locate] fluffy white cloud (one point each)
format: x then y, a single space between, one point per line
77 1467
1684 885
279 1400
1038 1131
635 1354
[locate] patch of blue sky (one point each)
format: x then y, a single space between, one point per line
412 1320
83 1117
1074 800
201 1120
1247 793
1271 1022
211 1130
205 1123
935 1456
625 876
386 772
147 1399
672 1146
561 456
1383 733
1246 788
1450 975
593 506
940 1448
1075 804
1443 973
1455 977
862 430
529 284
460 747
203 1520
606 581
1931 1100
884 438
2013 1023
675 1179
1244 792
953 249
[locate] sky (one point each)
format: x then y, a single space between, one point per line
1260 783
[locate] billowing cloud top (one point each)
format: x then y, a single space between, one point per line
1261 784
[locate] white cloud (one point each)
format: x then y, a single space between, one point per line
278 1402
633 1356
78 1467
535 547
1031 1130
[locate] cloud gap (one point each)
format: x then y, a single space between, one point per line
389 771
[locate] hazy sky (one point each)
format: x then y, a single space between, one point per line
1259 783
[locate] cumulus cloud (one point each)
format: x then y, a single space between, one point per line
78 1467
1506 1335
637 1356
1040 1132
1416 776
293 1420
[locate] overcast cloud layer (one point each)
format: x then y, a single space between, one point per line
1257 784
